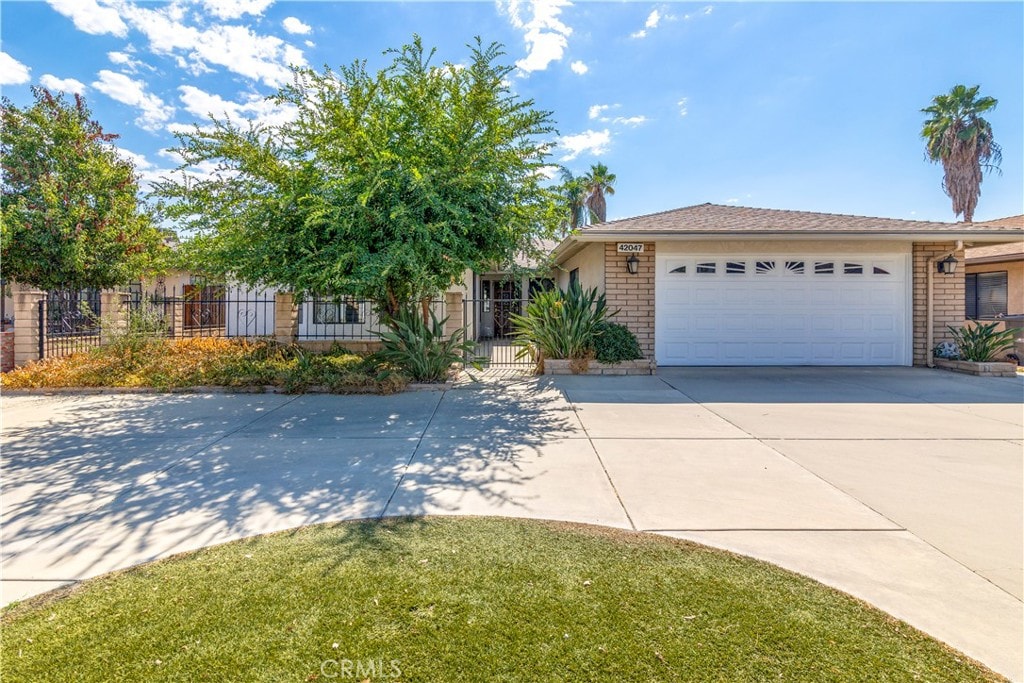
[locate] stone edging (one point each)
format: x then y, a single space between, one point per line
985 369
629 367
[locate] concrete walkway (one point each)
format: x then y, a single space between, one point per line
900 486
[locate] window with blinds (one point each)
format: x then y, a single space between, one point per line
985 294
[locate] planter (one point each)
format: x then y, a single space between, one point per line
572 367
983 369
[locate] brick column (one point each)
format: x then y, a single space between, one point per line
632 295
286 318
26 323
113 315
453 310
948 309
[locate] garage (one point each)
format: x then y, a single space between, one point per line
782 308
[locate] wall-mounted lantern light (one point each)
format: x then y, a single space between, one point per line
633 264
947 266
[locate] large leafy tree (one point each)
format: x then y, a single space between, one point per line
599 183
386 185
961 140
72 217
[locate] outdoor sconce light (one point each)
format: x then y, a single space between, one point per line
947 265
633 264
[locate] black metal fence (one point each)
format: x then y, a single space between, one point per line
202 311
343 318
69 321
488 322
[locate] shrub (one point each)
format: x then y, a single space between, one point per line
420 348
561 324
982 343
615 343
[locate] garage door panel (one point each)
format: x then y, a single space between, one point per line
830 311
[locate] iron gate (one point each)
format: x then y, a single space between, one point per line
69 321
488 322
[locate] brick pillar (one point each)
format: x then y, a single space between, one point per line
632 295
113 315
453 310
26 324
286 318
948 308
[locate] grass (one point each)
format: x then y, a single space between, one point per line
205 361
440 599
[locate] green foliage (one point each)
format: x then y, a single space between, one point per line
386 186
71 212
961 140
140 361
420 348
982 343
615 343
561 323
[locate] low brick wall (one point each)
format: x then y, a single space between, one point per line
629 367
362 348
989 369
6 350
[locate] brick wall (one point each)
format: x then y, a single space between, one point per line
947 295
632 295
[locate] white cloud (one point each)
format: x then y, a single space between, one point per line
579 67
127 62
310 43
154 112
259 57
589 142
732 200
707 10
90 17
652 19
545 35
203 105
638 34
68 85
234 9
682 104
630 120
597 110
293 25
12 72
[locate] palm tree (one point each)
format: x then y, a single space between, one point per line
599 183
574 194
957 136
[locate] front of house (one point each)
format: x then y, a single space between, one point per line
728 285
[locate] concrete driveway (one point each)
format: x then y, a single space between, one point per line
900 486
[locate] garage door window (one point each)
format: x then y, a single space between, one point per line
986 294
853 269
824 267
735 267
707 268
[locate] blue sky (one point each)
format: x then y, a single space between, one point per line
808 106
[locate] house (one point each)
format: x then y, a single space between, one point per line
729 285
994 277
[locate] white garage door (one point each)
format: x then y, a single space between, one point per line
770 309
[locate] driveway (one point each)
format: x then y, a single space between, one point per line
900 486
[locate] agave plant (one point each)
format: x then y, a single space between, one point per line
561 324
420 348
982 343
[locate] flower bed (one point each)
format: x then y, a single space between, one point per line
986 369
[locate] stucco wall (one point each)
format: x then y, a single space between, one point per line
591 262
1014 282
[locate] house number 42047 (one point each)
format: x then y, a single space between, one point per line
631 247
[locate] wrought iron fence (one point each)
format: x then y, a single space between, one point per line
343 318
488 322
69 321
202 311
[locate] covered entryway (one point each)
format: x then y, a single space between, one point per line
775 307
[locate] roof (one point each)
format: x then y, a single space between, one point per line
995 253
1008 222
717 219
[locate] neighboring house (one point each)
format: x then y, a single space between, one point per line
994 277
729 285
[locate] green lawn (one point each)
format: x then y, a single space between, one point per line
442 599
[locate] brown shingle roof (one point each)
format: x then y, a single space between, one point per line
995 253
716 218
1008 222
